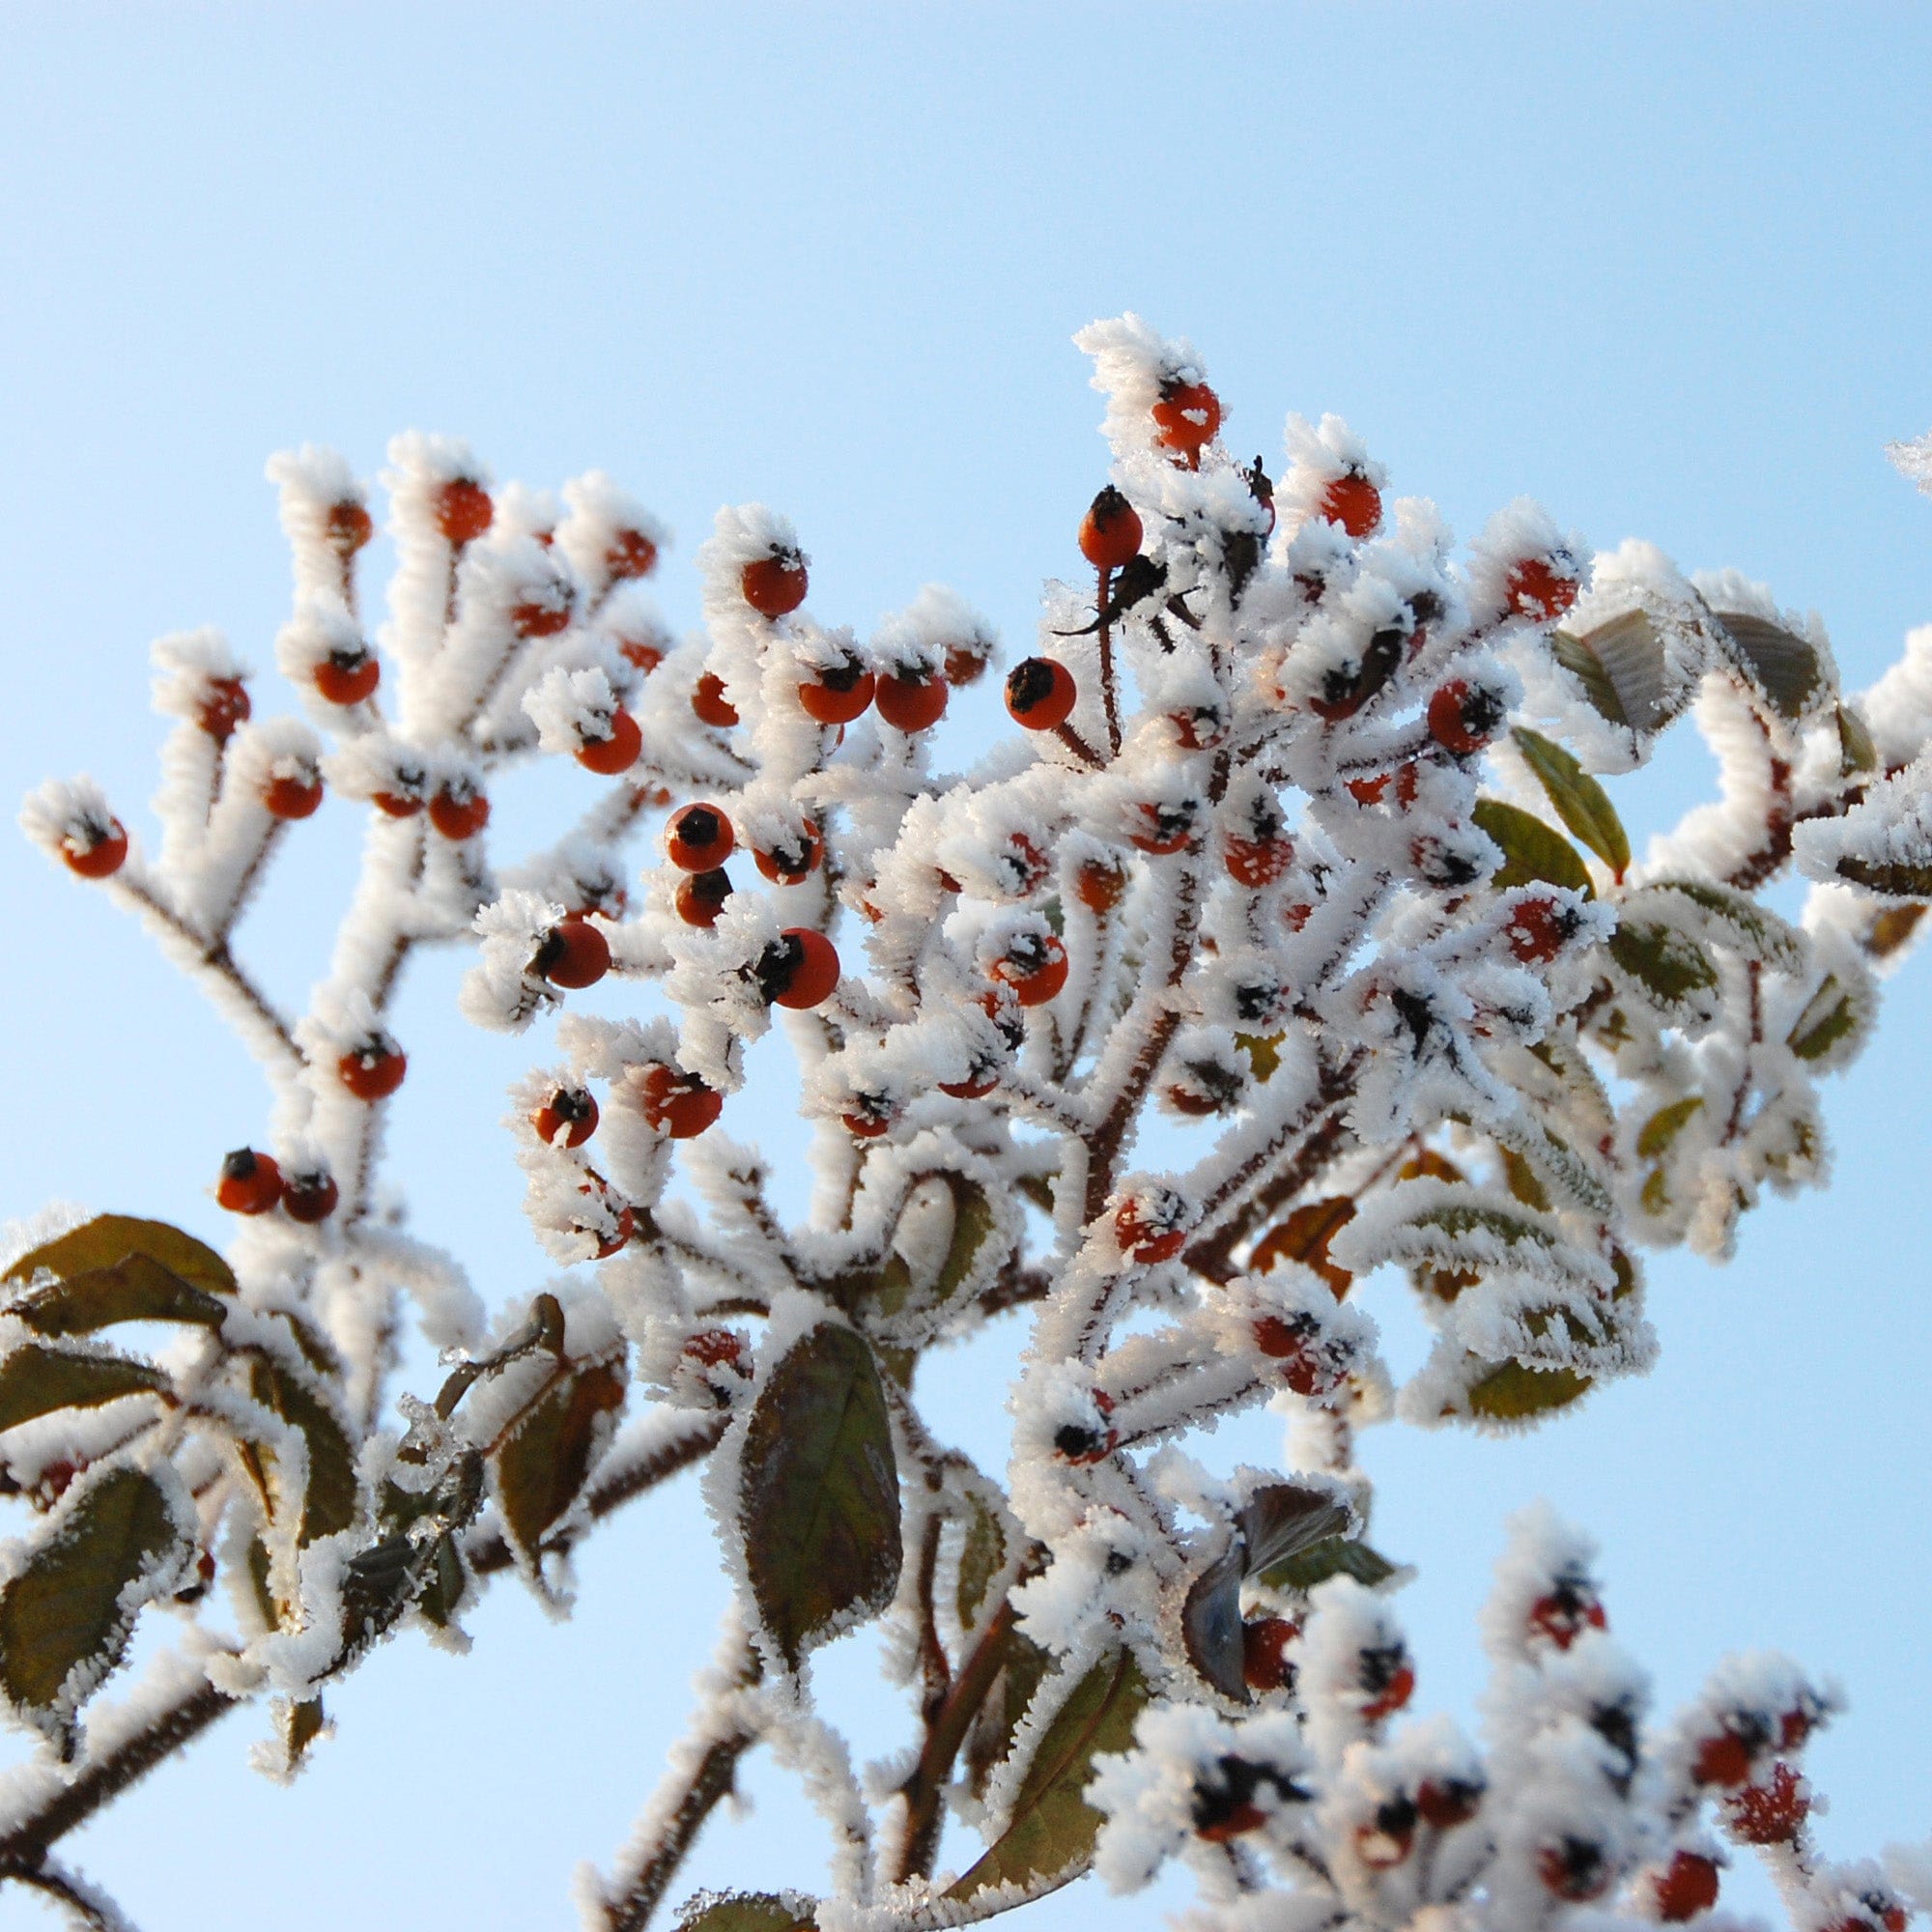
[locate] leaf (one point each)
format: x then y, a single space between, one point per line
818 1502
1778 663
981 1557
136 1288
1426 1164
1899 881
1829 1015
65 1617
543 1461
1654 1136
1740 921
1532 852
1580 802
1857 753
1621 668
1520 1177
1264 1051
743 1912
36 1381
328 1504
1024 1668
108 1238
1332 1557
1666 964
1284 1518
1051 1833
1304 1238
1513 1390
973 1223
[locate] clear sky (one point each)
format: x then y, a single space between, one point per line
1665 268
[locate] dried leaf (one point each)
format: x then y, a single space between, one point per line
1777 661
1532 852
1580 802
744 1912
1621 668
1304 1238
36 1381
108 1238
543 1461
136 1288
328 1504
819 1503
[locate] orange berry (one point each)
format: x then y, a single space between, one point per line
698 838
396 804
712 706
94 850
966 662
631 553
462 510
543 613
910 704
1257 861
1035 967
1264 1662
679 1105
627 1220
1686 1887
1575 1869
641 652
1538 929
459 810
866 1126
572 1112
1201 728
310 1197
701 896
1100 882
1290 1342
794 858
1448 1802
573 955
373 1071
1145 1230
1166 828
1388 1680
225 706
1110 533
1536 590
618 753
1353 502
838 696
1566 1613
349 676
1724 1759
1186 419
348 528
250 1184
775 585
292 797
1771 1814
799 968
718 1348
974 1087
1462 719
1040 693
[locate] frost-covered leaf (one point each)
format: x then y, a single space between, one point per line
36 1381
1622 669
1050 1836
1304 1238
329 1503
135 1288
109 1238
974 1224
1264 1051
64 1617
819 1501
981 1557
744 1912
1857 753
1729 919
1655 1137
1532 852
1834 1013
1666 965
1897 879
1777 661
1332 1557
1513 1391
1580 802
1023 1667
543 1461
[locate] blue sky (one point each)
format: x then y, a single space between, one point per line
1661 267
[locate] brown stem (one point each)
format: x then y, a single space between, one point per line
1108 697
1078 745
87 1904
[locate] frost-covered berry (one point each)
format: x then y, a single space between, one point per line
463 511
620 1216
459 809
348 675
868 1123
1386 1679
1110 533
1353 502
1152 1225
1383 1842
679 1105
571 1113
1257 861
837 694
631 553
1200 728
1575 1869
293 795
348 528
1035 966
1040 692
1463 718
373 1071
311 1196
250 1184
1538 929
775 585
700 897
910 703
1685 1887
573 955
1536 589
1101 883
966 660
1164 827
644 653
1770 1813
977 1085
1223 1803
224 706
1292 1341
1563 1613
1444 1802
1086 1442
711 705
1186 419
787 860
94 847
698 838
617 751
799 968
1264 1659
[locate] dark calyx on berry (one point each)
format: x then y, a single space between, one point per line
1223 1799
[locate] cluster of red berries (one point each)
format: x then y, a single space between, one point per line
253 1183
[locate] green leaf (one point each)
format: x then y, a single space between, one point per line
1733 919
330 1503
1050 1835
1654 1136
744 1912
136 1288
36 1381
65 1619
973 1223
1664 962
1532 853
982 1558
1333 1557
108 1238
543 1461
818 1502
1513 1391
1857 753
1580 802
1023 1668
1831 1014
1897 881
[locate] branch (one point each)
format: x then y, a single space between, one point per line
87 1905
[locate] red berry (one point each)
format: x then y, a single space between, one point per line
631 553
718 1348
1536 590
1257 861
1290 1342
347 528
1078 1444
799 968
572 954
373 1071
792 859
698 838
1265 1663
1687 1887
966 662
1771 1814
1186 419
310 1197
712 706
462 510
1386 1839
544 612
292 797
679 1104
838 696
459 810
866 1126
1724 1759
572 1112
911 703
1145 1230
1463 721
1353 502
1575 1869
618 753
1110 533
94 850
348 677
1538 929
1566 1613
1390 1686
396 804
1166 828
776 585
1040 693
250 1184
641 652
1448 1802
974 1087
702 896
1100 882
627 1220
1035 967
224 706
1201 728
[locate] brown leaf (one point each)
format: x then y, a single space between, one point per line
108 1238
36 1381
542 1462
1304 1238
